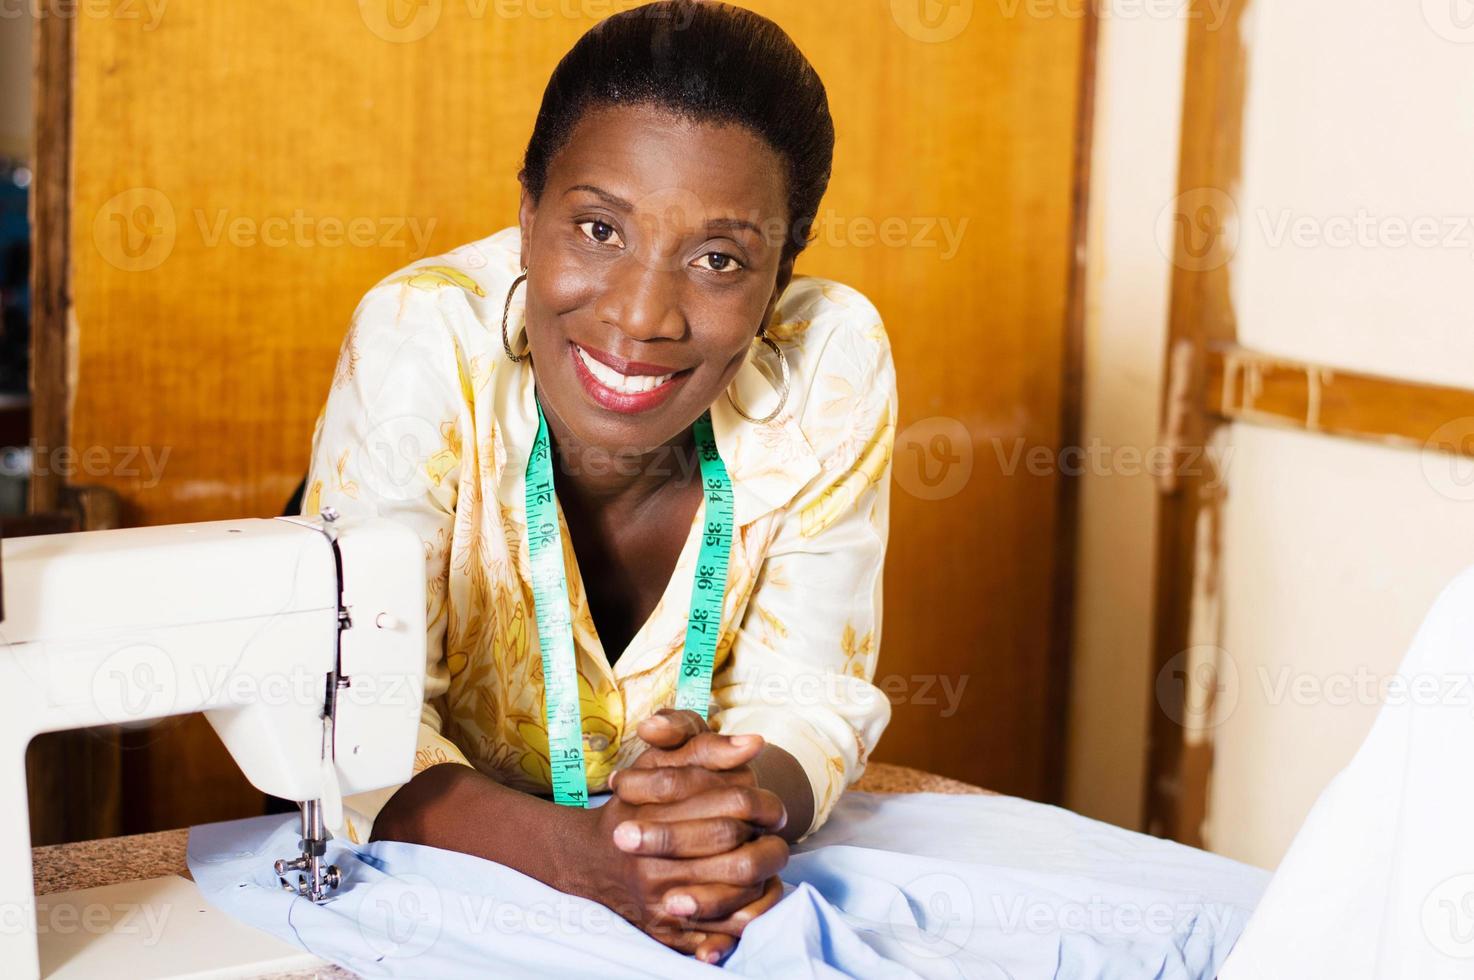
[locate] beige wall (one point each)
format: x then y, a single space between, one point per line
1356 114
15 84
1356 128
1134 168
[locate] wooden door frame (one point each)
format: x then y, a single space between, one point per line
1211 382
1071 428
51 236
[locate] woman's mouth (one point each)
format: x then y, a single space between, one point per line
631 387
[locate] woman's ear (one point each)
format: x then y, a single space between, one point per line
526 211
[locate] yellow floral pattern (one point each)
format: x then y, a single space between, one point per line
428 423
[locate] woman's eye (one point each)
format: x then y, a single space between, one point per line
719 262
600 232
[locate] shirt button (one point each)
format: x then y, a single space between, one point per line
597 743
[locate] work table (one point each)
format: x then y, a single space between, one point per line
87 864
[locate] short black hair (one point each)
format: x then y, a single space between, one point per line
707 62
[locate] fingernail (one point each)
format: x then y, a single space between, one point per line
744 741
680 905
613 777
627 836
709 956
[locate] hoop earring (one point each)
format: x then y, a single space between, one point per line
506 310
782 398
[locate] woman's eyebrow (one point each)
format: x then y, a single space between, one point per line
733 224
614 201
620 204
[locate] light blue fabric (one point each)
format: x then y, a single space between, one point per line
919 885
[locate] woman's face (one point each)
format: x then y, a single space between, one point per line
654 256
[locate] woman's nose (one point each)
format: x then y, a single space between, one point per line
642 299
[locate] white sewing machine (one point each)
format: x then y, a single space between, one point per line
301 640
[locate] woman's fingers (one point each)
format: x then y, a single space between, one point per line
683 838
707 750
734 923
745 866
748 803
707 947
708 902
669 728
671 784
680 940
714 948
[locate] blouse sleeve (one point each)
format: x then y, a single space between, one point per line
804 653
388 444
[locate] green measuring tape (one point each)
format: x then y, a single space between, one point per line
554 617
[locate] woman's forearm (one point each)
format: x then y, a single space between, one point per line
457 808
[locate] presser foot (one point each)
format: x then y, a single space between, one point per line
306 875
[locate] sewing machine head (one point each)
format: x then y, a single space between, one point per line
302 641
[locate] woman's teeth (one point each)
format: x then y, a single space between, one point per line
627 384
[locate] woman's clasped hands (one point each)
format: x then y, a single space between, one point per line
689 838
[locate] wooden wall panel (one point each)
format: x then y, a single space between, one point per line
951 207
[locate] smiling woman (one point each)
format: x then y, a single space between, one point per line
651 470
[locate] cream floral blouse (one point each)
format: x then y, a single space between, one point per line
430 424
